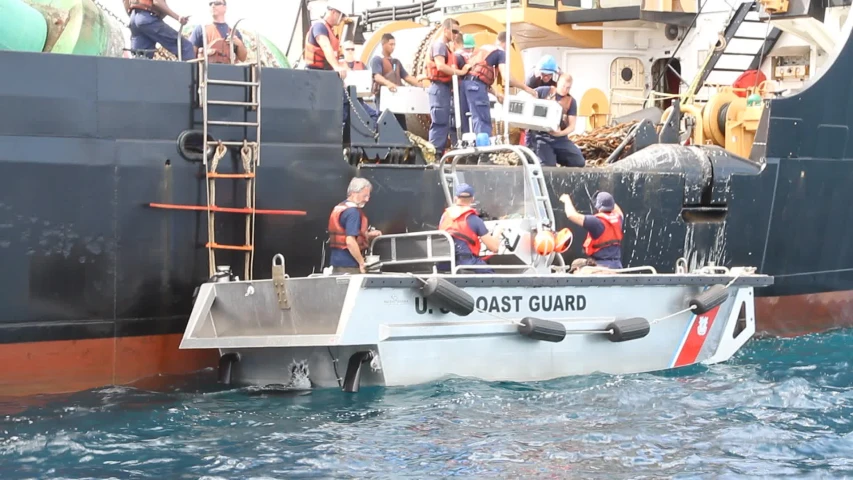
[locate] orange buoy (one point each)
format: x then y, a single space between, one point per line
563 241
544 242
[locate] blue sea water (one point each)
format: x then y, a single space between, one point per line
780 408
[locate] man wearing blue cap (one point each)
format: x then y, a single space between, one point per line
463 223
604 229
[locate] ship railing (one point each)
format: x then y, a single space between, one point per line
413 252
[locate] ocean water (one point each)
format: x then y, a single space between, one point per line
780 408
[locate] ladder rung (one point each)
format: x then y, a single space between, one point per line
231 143
233 124
245 248
232 104
232 82
230 175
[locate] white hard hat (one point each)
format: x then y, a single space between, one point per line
343 6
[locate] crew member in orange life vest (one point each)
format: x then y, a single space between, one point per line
349 232
217 37
481 78
322 46
440 69
353 64
463 223
604 229
147 28
555 147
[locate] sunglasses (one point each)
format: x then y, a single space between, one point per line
217 3
350 49
455 31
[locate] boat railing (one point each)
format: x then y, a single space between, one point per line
410 252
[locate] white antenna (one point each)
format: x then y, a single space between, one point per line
508 72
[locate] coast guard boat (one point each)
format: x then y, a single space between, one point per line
529 321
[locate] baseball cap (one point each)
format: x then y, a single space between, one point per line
464 190
604 202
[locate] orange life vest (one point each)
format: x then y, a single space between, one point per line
455 222
314 56
337 232
432 72
146 5
391 71
612 235
479 68
221 53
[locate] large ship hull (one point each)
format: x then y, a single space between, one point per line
97 285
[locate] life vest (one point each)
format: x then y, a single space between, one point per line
221 52
566 103
314 56
612 235
479 68
432 72
391 71
146 5
337 232
455 222
356 65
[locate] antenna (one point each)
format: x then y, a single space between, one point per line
508 71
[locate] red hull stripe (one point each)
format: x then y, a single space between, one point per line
694 338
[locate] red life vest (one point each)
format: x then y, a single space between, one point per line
221 54
479 68
337 232
432 72
314 55
455 222
391 68
612 235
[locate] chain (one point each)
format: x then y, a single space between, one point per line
355 111
123 22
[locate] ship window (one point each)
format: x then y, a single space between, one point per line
627 74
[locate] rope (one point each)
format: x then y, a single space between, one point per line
247 157
220 152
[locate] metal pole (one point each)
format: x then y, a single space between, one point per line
508 71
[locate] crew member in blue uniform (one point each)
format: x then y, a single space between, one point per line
468 230
440 69
323 47
603 241
545 74
555 147
349 232
463 49
481 78
216 34
147 28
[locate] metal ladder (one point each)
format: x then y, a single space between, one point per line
250 152
736 51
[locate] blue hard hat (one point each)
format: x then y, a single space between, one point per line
464 190
547 65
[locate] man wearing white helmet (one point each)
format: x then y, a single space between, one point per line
322 46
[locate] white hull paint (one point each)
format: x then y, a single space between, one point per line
332 318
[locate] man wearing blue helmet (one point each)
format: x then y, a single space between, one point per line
545 74
468 230
604 229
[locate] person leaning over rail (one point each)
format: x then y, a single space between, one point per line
147 28
604 229
217 33
349 232
464 224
